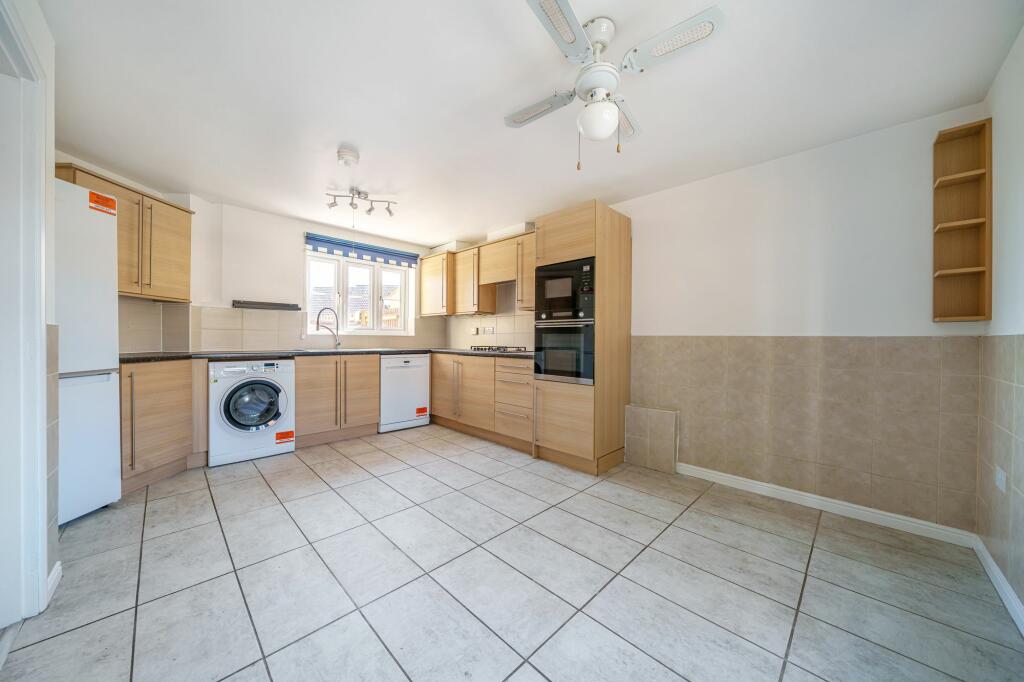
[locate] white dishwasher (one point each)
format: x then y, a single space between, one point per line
404 391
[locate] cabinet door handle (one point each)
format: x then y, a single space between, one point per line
509 381
131 418
536 416
476 280
512 414
444 279
337 392
138 261
458 388
519 271
515 367
150 245
345 420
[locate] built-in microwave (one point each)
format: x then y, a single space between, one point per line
564 351
565 291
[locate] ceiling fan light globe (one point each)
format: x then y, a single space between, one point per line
598 120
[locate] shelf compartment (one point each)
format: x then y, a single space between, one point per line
960 178
960 225
957 272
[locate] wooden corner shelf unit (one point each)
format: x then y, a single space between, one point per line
962 212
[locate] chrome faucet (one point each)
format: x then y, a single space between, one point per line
337 341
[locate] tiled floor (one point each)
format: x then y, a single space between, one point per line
431 555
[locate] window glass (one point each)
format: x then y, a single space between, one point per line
323 290
358 293
392 317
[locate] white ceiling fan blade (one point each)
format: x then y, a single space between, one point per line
560 21
628 127
541 108
670 43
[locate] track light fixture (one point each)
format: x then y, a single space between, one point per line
355 195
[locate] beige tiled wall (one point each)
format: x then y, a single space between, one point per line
151 325
232 329
651 437
52 444
1001 445
511 327
885 422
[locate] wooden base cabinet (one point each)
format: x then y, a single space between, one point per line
564 417
156 420
462 389
335 396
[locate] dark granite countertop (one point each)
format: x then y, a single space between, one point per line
157 356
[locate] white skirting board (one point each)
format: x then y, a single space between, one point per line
7 637
881 518
56 573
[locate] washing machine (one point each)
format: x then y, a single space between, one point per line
252 409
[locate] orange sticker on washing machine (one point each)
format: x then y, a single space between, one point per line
284 437
102 203
420 411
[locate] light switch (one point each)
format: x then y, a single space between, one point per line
475 331
1001 479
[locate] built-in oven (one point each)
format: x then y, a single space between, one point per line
564 351
565 291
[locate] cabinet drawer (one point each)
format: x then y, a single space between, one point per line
514 421
513 389
514 365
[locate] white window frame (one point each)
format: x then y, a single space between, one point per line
340 296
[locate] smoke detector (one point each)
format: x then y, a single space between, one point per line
347 156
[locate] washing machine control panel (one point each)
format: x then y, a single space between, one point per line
265 367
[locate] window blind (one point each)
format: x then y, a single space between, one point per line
319 243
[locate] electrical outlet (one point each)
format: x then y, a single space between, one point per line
1000 479
488 330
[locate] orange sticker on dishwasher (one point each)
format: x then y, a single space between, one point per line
284 437
420 411
102 203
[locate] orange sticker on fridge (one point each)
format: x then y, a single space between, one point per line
420 411
284 437
102 203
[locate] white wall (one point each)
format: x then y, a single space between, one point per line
832 241
1006 102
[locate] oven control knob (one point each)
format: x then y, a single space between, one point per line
581 313
543 316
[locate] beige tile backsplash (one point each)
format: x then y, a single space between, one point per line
885 422
510 327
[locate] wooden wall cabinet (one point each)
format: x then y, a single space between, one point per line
437 285
154 239
567 235
462 389
962 212
511 260
334 394
156 420
472 297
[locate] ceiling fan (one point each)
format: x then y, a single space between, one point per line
597 82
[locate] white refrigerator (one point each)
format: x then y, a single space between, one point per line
89 466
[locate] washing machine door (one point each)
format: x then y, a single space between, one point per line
253 405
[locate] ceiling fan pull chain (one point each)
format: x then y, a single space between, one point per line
579 150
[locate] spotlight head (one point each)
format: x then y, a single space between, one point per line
388 209
332 203
369 211
353 205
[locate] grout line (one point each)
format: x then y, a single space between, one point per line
234 571
799 602
138 583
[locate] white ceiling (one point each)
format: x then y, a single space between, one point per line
246 102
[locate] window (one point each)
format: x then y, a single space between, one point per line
370 297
